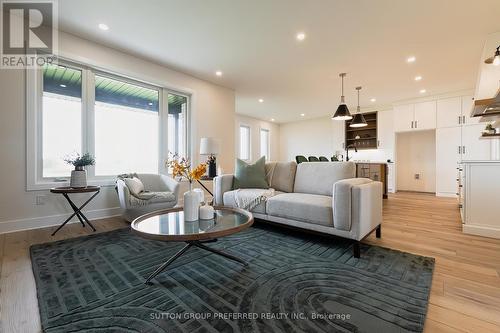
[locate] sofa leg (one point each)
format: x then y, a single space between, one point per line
378 231
356 250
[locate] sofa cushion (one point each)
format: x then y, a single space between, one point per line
250 175
281 175
229 199
319 177
304 207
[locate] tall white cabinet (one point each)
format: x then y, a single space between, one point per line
457 140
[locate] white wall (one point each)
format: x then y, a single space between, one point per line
322 137
212 115
416 154
255 126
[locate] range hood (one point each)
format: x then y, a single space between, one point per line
487 107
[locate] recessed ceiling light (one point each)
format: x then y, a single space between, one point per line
300 36
103 26
418 78
218 73
62 85
302 114
272 119
373 100
261 100
423 91
411 59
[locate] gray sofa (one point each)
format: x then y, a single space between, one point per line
320 196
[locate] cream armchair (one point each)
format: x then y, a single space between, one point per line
152 183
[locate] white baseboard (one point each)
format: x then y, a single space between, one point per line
481 230
55 220
446 194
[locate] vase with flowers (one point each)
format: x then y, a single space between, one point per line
79 175
181 167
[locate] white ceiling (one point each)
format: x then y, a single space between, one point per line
253 43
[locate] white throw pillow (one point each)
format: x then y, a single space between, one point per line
135 186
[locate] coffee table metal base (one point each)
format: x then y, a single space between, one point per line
198 244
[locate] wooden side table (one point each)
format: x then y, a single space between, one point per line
76 210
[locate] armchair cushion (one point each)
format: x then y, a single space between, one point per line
134 185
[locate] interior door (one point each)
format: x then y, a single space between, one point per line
449 112
403 118
425 115
473 147
448 148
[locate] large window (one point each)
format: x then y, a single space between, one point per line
61 104
264 143
244 153
128 125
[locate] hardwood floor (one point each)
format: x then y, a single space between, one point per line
465 295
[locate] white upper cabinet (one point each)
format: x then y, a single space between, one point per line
385 129
414 117
467 102
403 118
474 148
449 112
425 115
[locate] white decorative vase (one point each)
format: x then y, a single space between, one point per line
191 205
78 178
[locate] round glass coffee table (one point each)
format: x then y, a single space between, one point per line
169 225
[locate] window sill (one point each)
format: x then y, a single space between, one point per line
47 185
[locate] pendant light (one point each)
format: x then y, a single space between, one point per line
342 112
495 60
359 119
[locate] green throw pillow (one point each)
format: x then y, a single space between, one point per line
250 175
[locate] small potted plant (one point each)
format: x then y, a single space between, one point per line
79 175
489 129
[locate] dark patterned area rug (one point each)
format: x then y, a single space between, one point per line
294 283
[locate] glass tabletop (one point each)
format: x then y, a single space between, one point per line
170 224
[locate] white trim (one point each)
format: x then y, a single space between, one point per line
481 230
446 194
55 220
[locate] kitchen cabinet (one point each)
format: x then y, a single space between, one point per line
425 115
467 104
474 148
385 129
374 171
391 178
448 155
480 193
404 116
449 112
455 111
412 117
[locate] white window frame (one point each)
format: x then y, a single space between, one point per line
249 142
34 102
268 131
